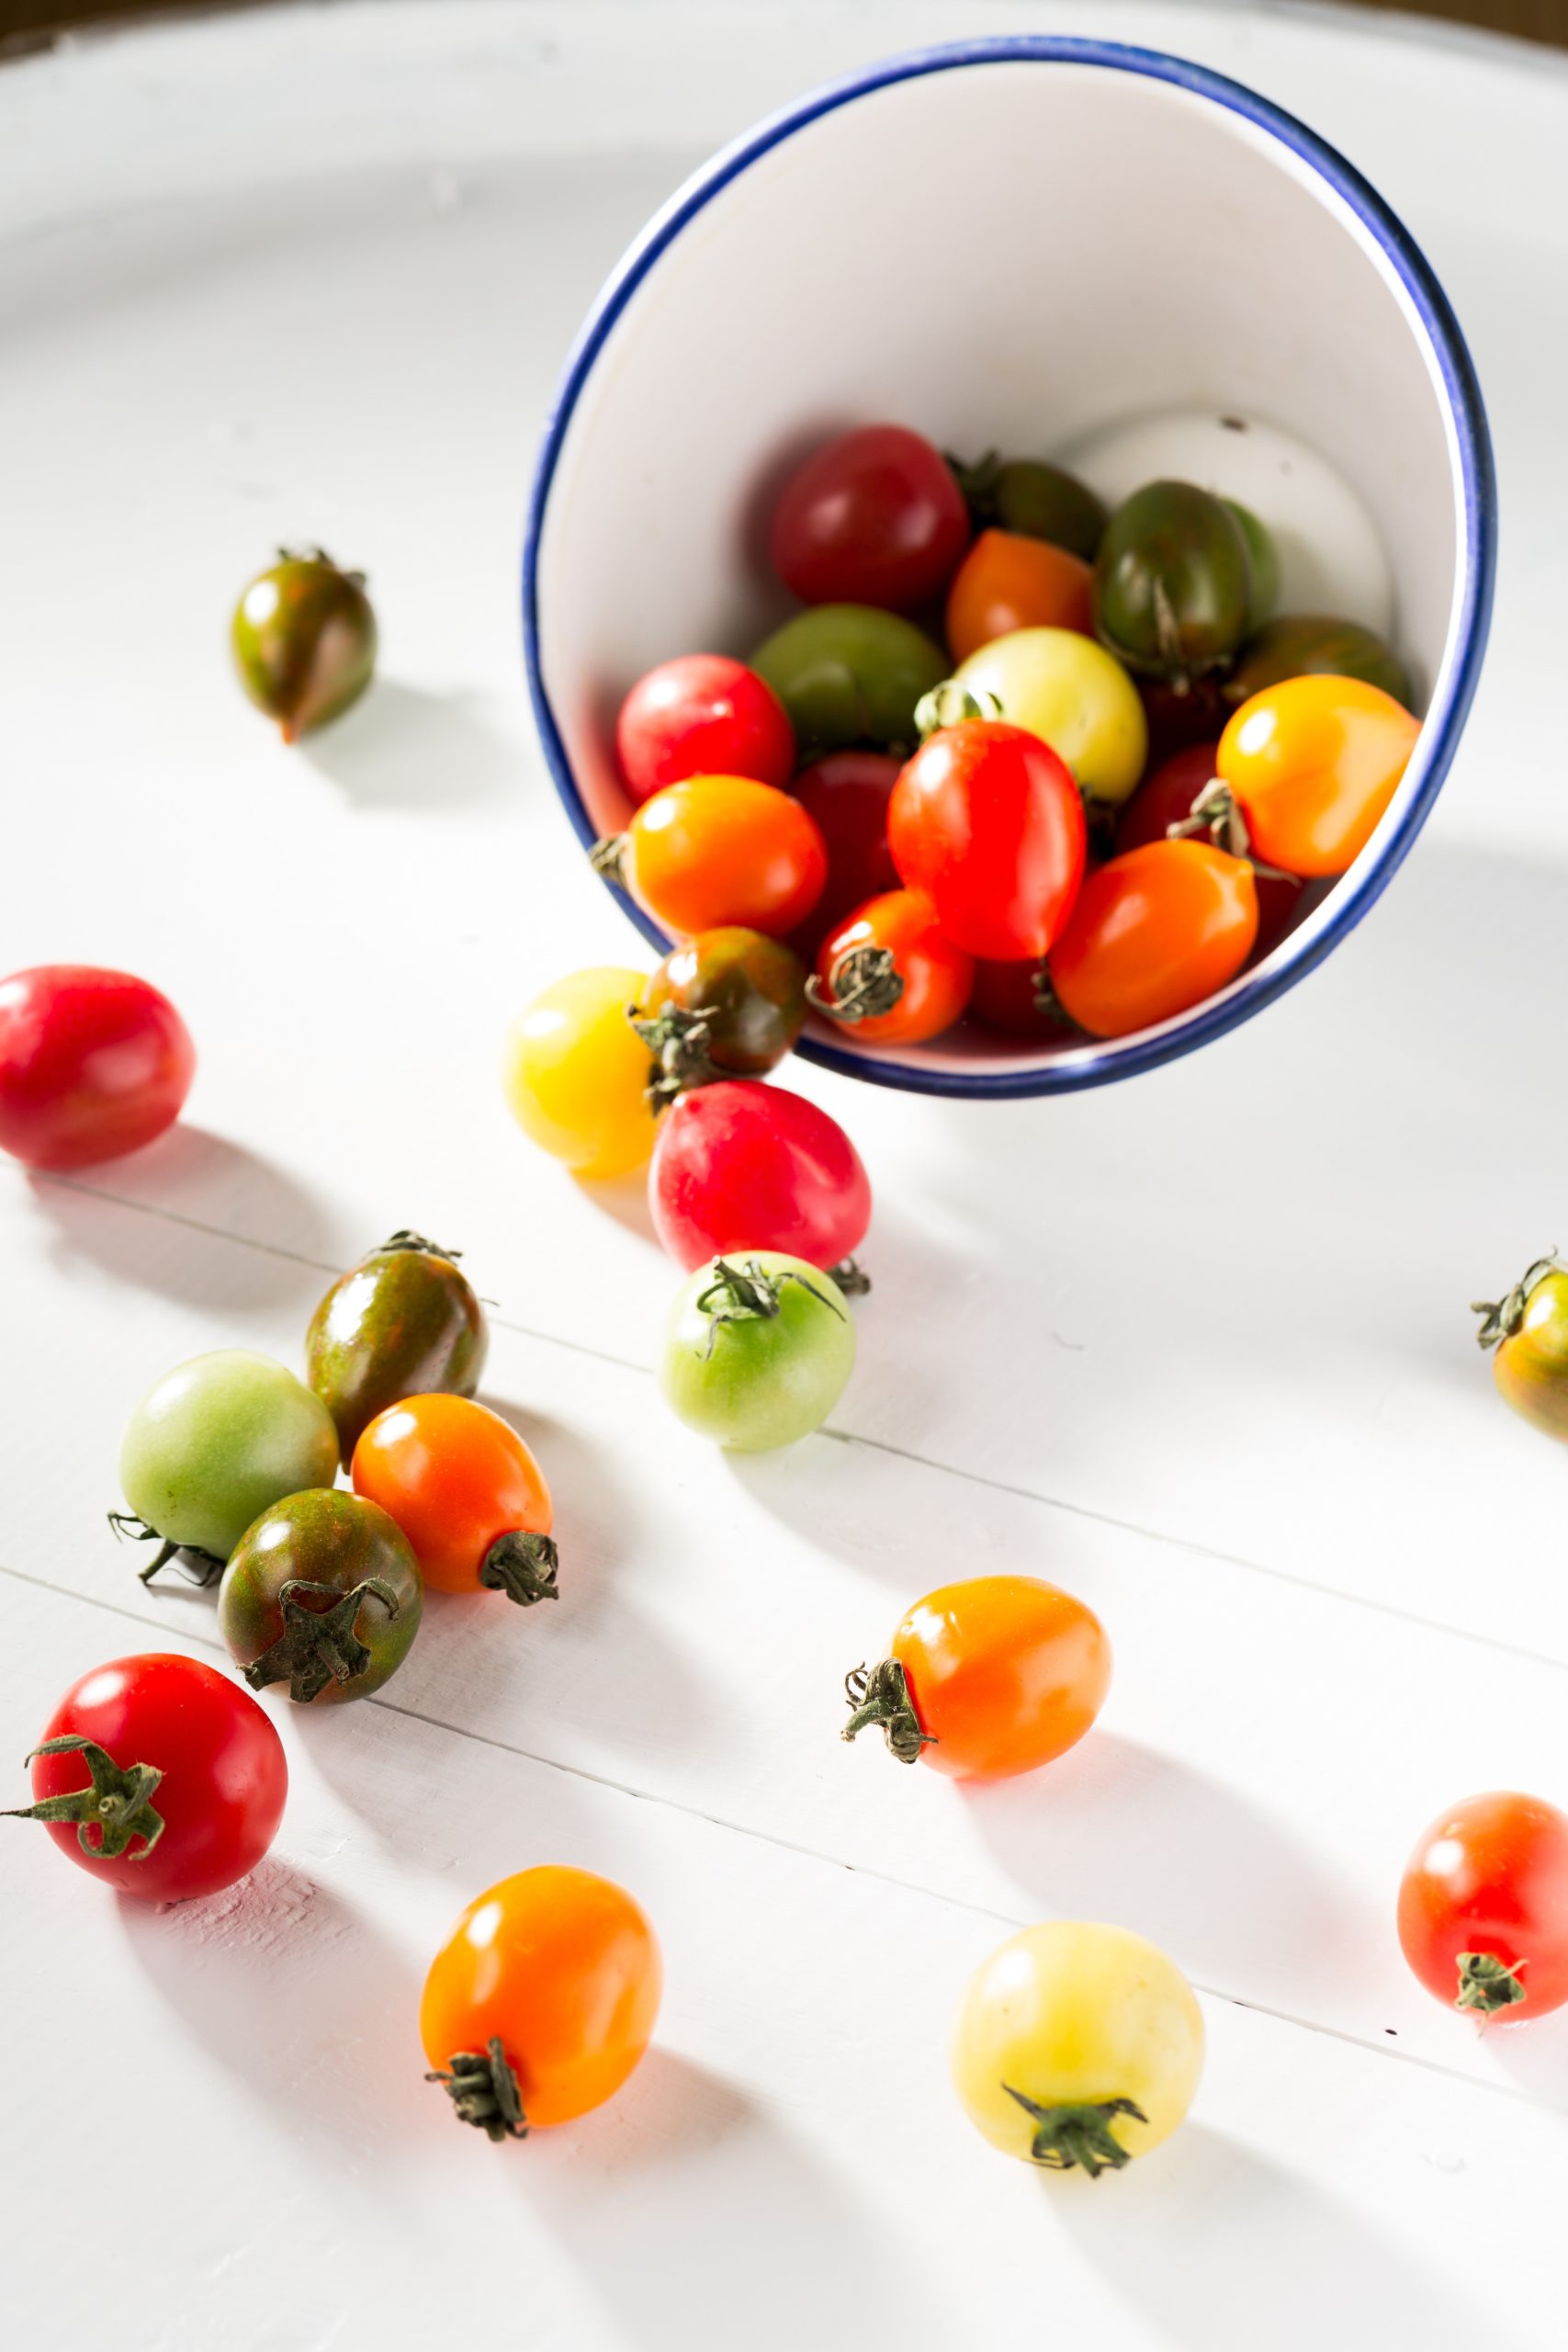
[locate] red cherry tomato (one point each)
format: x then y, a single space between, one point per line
887 972
1153 935
986 820
848 795
181 1789
91 1064
743 1166
1007 997
1483 1906
1166 798
873 518
702 714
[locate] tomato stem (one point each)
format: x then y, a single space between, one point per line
483 2089
318 1645
951 702
1215 812
747 1292
404 1240
678 1041
850 1277
977 482
1078 2134
1501 1317
1485 1984
116 1803
523 1567
862 984
201 1567
607 858
880 1695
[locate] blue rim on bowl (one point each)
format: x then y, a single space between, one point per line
1096 1064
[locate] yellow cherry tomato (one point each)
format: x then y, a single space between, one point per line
1077 2045
1075 696
576 1073
1312 763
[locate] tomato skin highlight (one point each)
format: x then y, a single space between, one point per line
720 852
93 1064
576 1074
1154 933
1490 1876
702 714
1004 1673
874 517
455 1478
1313 765
740 1166
936 975
1008 582
986 820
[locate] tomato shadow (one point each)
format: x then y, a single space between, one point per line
624 1199
1533 2054
594 1524
405 747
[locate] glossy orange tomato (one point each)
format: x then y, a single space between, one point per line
716 849
542 1999
467 1493
1153 933
1311 765
889 973
1007 582
987 1678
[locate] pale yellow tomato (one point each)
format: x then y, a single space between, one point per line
1077 2045
576 1073
1075 696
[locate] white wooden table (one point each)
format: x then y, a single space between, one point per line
1196 1346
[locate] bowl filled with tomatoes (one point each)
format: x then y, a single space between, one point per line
1016 533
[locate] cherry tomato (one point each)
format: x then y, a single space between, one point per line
720 850
1300 645
729 1003
1074 696
1311 766
322 1593
1483 1906
848 795
702 714
1007 582
987 822
758 1350
541 2001
1078 2046
303 638
91 1064
849 674
888 972
740 1167
1153 935
1167 798
986 1678
873 518
1174 585
1179 716
161 1777
1529 1330
467 1493
576 1076
1039 501
403 1321
1009 996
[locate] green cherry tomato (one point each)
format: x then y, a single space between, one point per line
759 1350
403 1322
1067 690
1263 557
1528 1328
1037 500
1172 582
1305 645
850 674
214 1443
304 640
323 1593
729 1003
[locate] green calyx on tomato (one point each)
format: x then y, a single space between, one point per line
862 984
318 1643
1500 1319
484 2091
116 1802
523 1566
1077 2135
729 1003
949 704
678 1042
1485 1984
201 1567
880 1694
748 1293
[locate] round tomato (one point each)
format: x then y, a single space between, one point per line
888 972
1529 1330
1007 582
401 1322
702 714
740 1167
467 1493
1167 798
1483 1906
729 1003
875 517
322 1593
1011 996
987 822
91 1064
1069 691
848 793
758 1350
1153 935
986 1678
541 2001
1077 2045
161 1777
720 850
849 674
1309 768
576 1076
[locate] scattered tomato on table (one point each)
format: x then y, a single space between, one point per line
740 1166
405 1320
93 1064
1529 1329
304 640
1483 1906
467 1493
577 1077
729 1003
322 1593
759 1350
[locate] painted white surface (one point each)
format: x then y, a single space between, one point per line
314 273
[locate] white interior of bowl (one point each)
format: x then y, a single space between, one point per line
1006 254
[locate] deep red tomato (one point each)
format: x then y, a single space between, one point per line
986 820
1007 997
744 1166
1153 935
848 794
873 518
1483 1906
702 714
1166 798
91 1064
889 973
176 1785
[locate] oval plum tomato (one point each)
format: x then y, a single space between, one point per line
740 1167
1153 935
872 518
1007 582
467 1493
1167 798
541 2001
1483 1906
1529 1330
758 1350
720 850
1300 645
729 1003
576 1076
323 1594
403 1321
986 821
702 714
1009 996
986 1678
160 1776
1174 582
889 973
1076 2045
1074 696
91 1064
1309 767
848 795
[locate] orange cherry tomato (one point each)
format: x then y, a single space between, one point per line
987 1678
1007 582
1153 933
467 1493
541 2001
717 849
1311 765
887 972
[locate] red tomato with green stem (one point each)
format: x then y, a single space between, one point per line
702 714
1166 799
740 1166
986 820
848 794
93 1064
889 975
874 517
1483 1906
